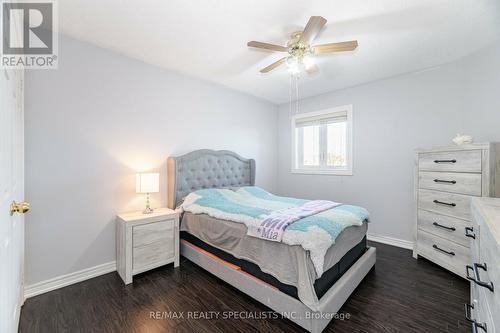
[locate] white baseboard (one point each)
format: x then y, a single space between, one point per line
66 280
391 241
88 273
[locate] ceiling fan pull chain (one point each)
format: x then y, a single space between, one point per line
290 95
294 77
297 94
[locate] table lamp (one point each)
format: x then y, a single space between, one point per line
147 183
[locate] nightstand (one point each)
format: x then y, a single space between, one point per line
146 241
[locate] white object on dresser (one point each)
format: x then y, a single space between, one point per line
484 267
446 179
462 139
146 241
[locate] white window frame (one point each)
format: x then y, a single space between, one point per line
342 171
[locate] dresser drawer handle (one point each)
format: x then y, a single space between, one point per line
469 232
468 317
468 313
443 226
452 204
475 325
445 181
469 268
444 251
476 279
445 161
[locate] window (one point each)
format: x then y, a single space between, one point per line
322 142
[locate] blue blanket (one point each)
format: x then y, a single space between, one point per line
249 205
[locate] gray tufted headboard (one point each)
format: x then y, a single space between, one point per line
207 168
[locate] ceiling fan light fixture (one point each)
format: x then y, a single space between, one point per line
308 62
292 61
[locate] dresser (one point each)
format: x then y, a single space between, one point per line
146 241
483 269
446 179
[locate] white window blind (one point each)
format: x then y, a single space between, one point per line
321 119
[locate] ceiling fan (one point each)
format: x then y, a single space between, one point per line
299 48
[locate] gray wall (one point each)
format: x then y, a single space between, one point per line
392 117
99 118
481 93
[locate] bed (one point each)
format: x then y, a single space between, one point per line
293 287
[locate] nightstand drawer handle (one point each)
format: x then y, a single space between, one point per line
444 251
452 204
445 181
469 232
443 226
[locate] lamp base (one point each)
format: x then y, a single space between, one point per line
148 210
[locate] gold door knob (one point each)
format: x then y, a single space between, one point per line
19 207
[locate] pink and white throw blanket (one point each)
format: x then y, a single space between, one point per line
271 226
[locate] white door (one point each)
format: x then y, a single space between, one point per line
11 189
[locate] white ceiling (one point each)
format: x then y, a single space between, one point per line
207 38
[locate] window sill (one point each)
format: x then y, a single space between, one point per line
322 172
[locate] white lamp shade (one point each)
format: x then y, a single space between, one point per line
147 183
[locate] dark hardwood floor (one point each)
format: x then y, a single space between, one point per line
400 295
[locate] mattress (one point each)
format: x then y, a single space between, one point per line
289 265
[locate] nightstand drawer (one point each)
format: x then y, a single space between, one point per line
456 161
149 256
152 232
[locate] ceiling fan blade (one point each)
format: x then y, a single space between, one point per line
335 47
273 65
313 27
267 46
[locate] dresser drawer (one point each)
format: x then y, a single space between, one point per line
456 205
490 255
444 226
476 231
444 252
485 314
474 244
456 161
152 233
454 182
148 256
480 313
474 300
